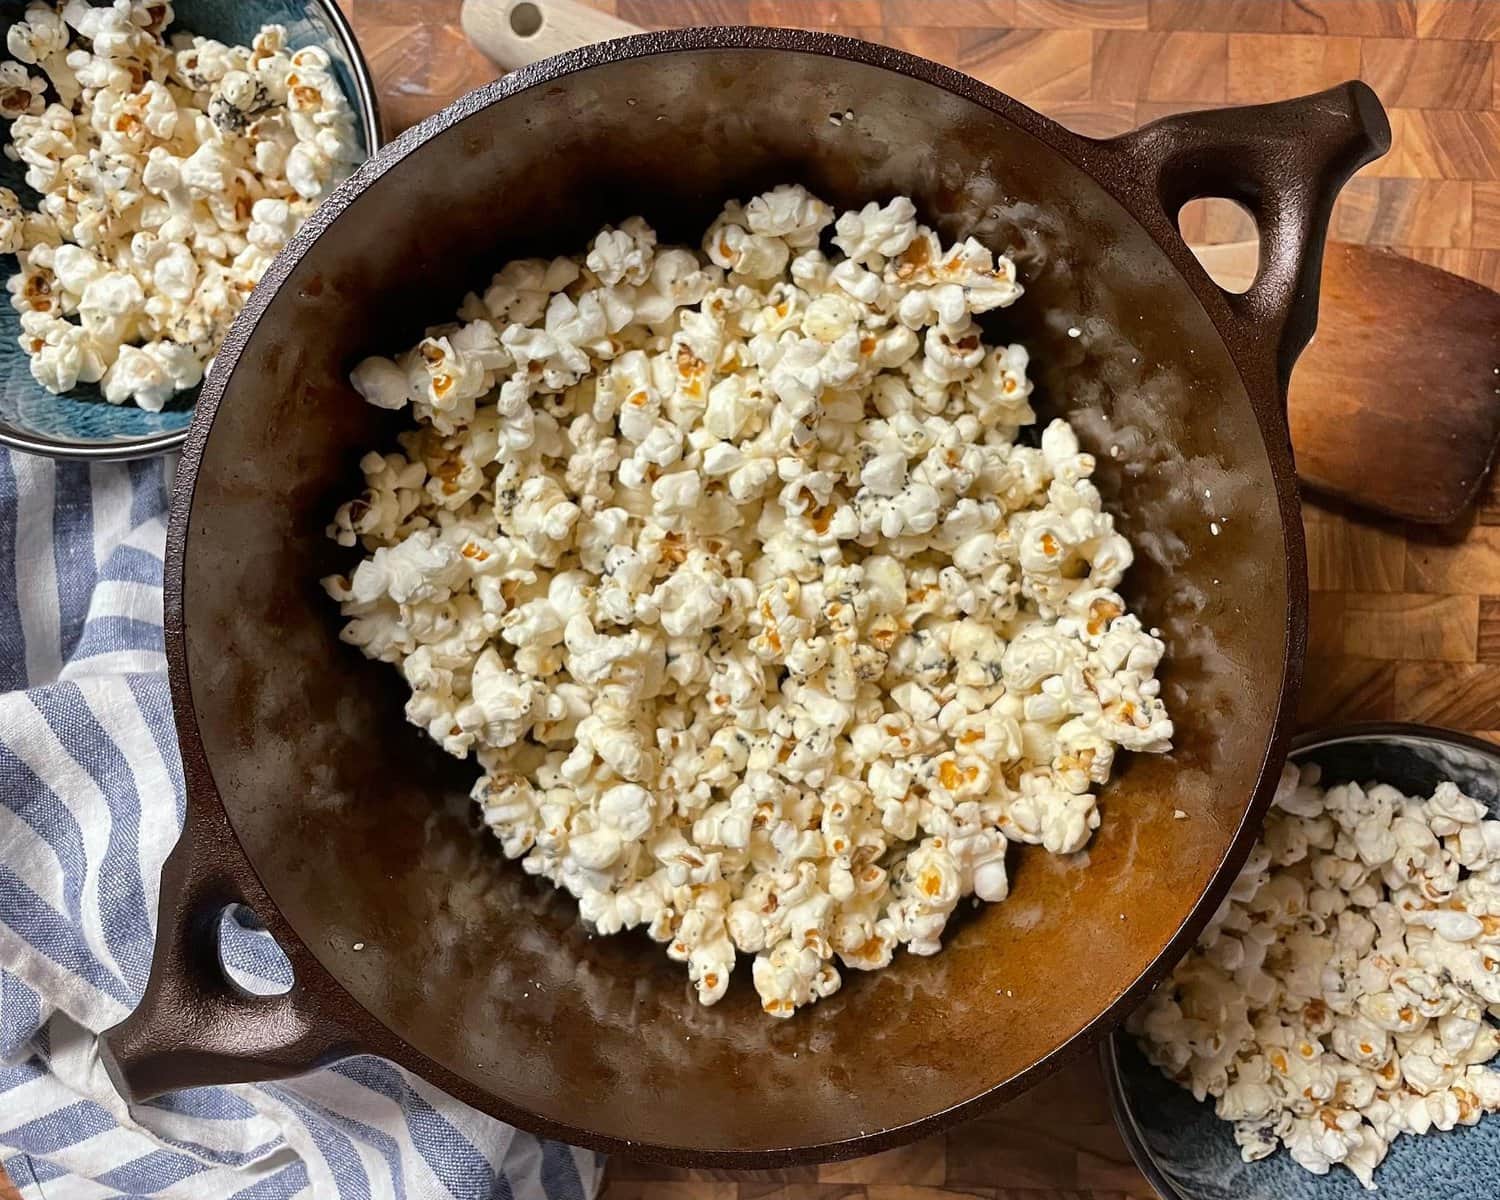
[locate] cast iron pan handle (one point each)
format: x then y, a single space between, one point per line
1285 162
194 1026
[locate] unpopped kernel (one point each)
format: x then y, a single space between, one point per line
767 632
1338 998
170 174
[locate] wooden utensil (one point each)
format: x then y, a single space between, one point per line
1395 405
516 32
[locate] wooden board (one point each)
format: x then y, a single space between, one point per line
1404 372
1362 400
1405 624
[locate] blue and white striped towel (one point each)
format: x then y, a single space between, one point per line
91 800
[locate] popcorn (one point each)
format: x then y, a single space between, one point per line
623 255
790 213
63 354
309 169
767 635
109 307
152 374
21 93
170 177
1335 1036
12 223
877 232
40 35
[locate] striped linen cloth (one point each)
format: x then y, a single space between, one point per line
91 800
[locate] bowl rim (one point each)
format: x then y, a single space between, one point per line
1251 358
1120 1107
366 103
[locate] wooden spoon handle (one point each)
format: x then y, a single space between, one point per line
516 32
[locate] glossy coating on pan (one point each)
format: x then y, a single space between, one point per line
358 829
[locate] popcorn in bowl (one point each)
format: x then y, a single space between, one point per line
169 173
1340 996
767 632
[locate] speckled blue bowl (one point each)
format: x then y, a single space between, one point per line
1189 1154
81 423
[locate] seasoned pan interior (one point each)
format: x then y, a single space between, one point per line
359 828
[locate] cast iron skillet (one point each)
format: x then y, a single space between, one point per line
313 802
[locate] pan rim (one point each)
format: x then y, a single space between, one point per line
1252 359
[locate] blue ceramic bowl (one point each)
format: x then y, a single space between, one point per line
81 423
1189 1154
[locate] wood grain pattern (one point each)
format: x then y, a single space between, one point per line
709 12
1450 567
1056 64
1395 625
1487 641
1268 66
1353 555
1405 212
982 14
1474 264
1458 695
1083 14
1337 690
1429 74
1484 229
1435 143
1380 18
1161 65
1407 435
1215 222
1475 20
812 14
1241 15
1405 624
1108 118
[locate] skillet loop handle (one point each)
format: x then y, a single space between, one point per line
1285 162
195 1027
